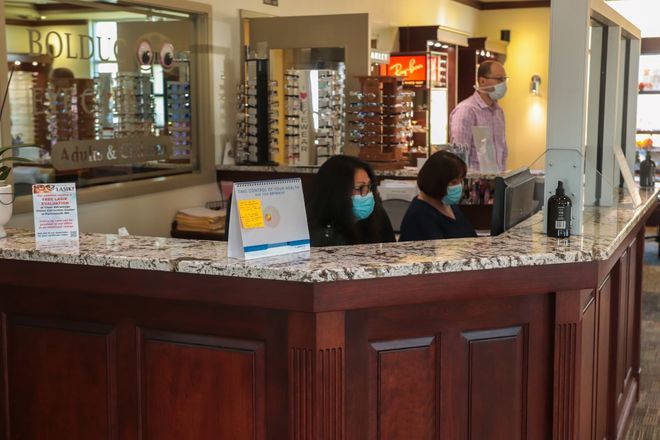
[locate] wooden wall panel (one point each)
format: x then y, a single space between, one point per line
633 305
405 391
497 377
586 374
61 379
603 363
201 387
621 328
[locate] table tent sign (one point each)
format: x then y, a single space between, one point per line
267 218
55 212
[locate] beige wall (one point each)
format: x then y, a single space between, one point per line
152 214
528 53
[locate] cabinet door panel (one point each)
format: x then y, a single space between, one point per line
496 378
201 387
404 372
61 379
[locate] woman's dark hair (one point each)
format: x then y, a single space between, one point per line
438 170
330 202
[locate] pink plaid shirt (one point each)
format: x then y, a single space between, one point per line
471 112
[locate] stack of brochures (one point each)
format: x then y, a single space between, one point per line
201 219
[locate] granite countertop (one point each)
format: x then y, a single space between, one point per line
524 245
406 172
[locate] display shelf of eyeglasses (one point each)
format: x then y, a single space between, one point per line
296 124
330 133
248 136
103 122
61 110
20 100
380 116
133 104
178 118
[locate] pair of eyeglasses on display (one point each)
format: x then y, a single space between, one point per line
253 83
363 124
361 95
178 87
364 189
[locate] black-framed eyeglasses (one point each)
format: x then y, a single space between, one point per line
364 189
498 78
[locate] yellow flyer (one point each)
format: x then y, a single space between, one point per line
251 214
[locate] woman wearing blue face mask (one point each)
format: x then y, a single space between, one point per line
345 208
434 213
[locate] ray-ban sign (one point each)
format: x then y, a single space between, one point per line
71 155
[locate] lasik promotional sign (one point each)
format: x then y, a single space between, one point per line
55 211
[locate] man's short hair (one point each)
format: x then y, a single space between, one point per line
485 68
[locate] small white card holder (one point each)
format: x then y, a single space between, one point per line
55 212
267 218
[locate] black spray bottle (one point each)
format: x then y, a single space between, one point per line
647 172
559 213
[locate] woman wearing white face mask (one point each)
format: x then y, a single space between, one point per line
434 213
482 110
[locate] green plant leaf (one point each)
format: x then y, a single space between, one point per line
3 150
14 159
4 172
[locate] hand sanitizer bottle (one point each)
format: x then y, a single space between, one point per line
559 213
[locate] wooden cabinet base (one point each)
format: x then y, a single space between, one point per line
548 352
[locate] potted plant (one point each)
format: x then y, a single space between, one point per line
6 193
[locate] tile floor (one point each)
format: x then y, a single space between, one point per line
645 423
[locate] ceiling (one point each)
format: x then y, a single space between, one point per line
642 13
505 4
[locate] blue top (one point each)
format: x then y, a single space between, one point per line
424 222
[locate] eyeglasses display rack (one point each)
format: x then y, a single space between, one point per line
380 118
133 96
330 132
314 115
61 109
178 117
258 116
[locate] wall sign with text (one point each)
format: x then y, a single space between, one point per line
412 68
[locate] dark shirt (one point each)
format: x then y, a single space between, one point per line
328 235
424 222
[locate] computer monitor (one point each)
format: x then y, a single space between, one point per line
516 199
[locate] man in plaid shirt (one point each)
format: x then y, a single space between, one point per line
482 110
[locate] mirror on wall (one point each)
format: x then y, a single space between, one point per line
106 93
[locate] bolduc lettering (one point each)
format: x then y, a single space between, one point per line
116 47
100 49
49 47
68 46
57 45
89 44
34 37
